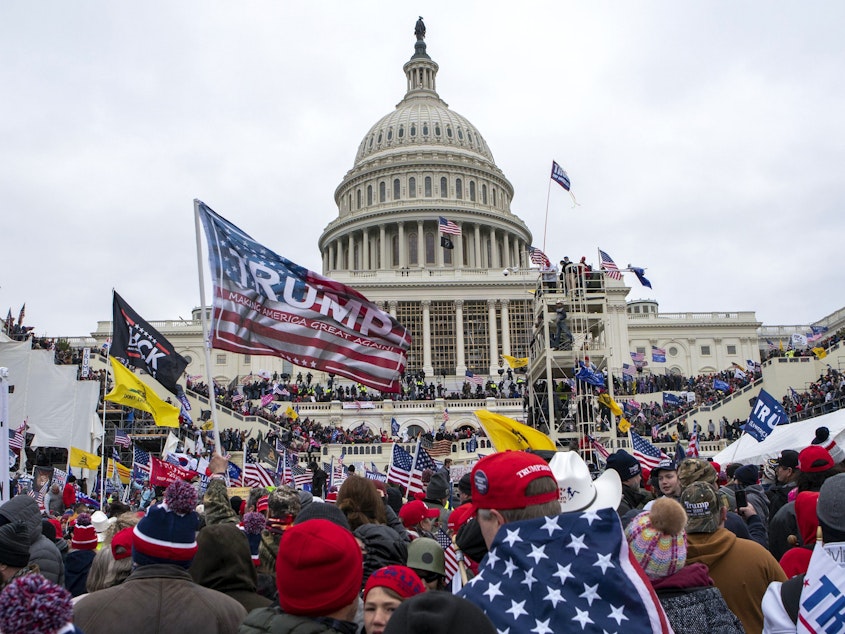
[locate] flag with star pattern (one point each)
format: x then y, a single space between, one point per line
567 573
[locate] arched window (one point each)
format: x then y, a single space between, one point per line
378 140
459 189
412 187
349 202
412 249
401 131
436 129
484 193
472 191
494 197
396 189
429 247
369 195
394 241
460 134
444 188
413 129
382 192
425 129
358 199
428 186
390 134
489 249
449 131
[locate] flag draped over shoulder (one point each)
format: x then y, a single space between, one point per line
141 346
131 391
265 304
506 433
83 459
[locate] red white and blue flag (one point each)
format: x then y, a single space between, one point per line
141 461
472 378
823 592
692 446
121 438
567 573
648 455
422 461
598 448
254 475
609 266
447 226
538 257
449 555
399 471
560 176
265 304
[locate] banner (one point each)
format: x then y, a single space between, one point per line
266 304
86 363
141 346
131 391
766 415
163 473
83 459
822 598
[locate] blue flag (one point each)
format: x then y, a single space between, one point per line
589 376
394 427
472 445
671 399
640 273
766 415
721 385
560 176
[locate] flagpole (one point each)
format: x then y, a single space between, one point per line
546 223
103 438
209 381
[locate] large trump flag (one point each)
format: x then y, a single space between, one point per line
266 304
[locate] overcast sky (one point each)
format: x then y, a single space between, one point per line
705 141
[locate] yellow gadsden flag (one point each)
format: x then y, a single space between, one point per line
506 433
515 363
123 472
820 352
83 459
607 400
131 391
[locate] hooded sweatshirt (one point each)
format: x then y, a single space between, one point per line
740 568
42 551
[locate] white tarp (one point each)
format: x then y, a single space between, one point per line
795 436
60 411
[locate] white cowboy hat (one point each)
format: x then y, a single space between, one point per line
578 490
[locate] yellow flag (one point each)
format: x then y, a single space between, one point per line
515 363
624 426
207 425
131 391
819 352
291 413
606 400
506 433
83 459
124 473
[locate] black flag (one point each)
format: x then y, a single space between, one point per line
446 242
139 345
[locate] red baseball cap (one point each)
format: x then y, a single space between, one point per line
459 516
814 458
499 481
415 512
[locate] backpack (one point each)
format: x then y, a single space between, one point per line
790 596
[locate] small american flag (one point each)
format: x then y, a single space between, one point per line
121 438
538 257
648 455
422 462
609 266
400 467
254 475
599 448
141 460
692 446
16 441
451 558
300 476
472 378
447 226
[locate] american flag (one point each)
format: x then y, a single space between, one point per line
692 445
141 460
16 441
548 574
266 399
235 475
472 378
422 462
447 226
638 357
609 266
400 467
39 495
440 448
450 557
303 317
599 448
628 369
121 438
560 176
254 475
538 257
300 476
648 455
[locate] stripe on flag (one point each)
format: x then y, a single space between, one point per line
648 455
447 226
538 257
609 266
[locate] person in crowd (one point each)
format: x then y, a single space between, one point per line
692 603
418 518
747 478
53 502
665 478
113 563
796 559
42 552
630 473
467 532
52 530
83 548
816 465
283 505
563 335
14 552
781 601
786 477
439 612
437 494
385 591
740 568
69 492
359 499
319 577
427 559
31 603
160 593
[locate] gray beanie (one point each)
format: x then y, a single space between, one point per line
831 505
14 545
438 487
322 511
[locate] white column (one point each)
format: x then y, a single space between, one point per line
365 251
506 334
426 308
459 338
506 256
330 266
392 310
350 255
494 338
477 263
403 252
382 248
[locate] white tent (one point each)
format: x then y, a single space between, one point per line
795 436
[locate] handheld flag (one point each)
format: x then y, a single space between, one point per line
506 433
83 459
607 400
137 344
766 415
658 355
648 455
267 305
131 391
820 606
721 386
515 362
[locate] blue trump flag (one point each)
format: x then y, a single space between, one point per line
721 386
766 415
394 427
588 375
671 399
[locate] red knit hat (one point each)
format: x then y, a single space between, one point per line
415 512
499 480
319 570
84 535
814 459
401 579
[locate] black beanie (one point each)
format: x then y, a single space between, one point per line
441 612
14 545
624 464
